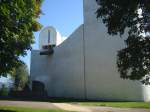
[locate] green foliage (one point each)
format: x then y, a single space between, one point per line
4 91
23 109
20 76
120 16
18 21
145 105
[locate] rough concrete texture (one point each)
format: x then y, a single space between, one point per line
84 65
62 72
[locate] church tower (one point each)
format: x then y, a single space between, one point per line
100 52
84 65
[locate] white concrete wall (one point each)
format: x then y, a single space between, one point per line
62 72
55 37
84 65
59 39
102 78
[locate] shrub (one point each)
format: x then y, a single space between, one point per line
4 91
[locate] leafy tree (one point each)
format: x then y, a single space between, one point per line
20 76
18 21
132 16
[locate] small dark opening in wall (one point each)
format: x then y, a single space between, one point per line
38 89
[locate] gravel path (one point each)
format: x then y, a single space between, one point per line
72 107
69 107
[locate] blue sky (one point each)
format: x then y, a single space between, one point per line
64 15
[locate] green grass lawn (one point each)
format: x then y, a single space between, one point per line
119 104
21 109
